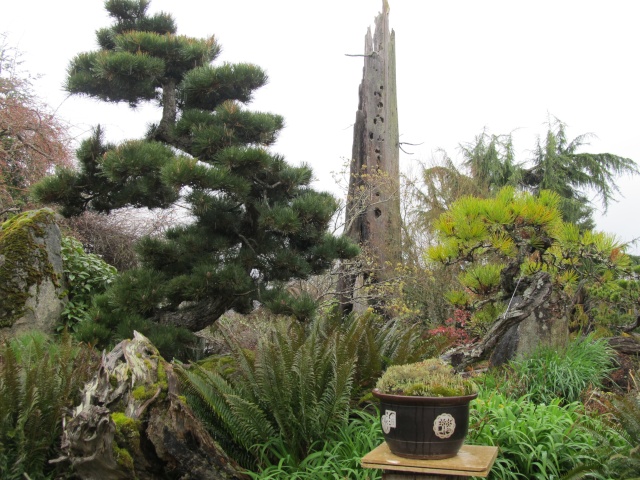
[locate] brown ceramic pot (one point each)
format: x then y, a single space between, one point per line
424 427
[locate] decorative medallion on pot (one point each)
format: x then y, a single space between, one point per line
424 409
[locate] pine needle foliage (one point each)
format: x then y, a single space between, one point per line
557 165
297 387
252 221
39 379
498 243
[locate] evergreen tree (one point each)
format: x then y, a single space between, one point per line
499 246
557 166
255 222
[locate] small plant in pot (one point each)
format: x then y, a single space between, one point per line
424 409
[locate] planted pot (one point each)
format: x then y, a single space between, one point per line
424 409
424 427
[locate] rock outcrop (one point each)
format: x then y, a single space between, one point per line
31 275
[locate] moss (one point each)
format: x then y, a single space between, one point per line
122 457
162 375
144 392
127 438
25 263
428 378
126 426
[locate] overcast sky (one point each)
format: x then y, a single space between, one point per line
462 66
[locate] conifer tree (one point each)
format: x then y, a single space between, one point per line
557 165
255 222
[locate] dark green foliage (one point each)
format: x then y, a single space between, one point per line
39 380
557 165
106 325
252 221
297 387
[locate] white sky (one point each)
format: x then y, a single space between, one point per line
461 65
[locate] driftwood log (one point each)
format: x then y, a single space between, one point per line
133 424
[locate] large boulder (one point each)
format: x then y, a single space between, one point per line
132 423
31 275
537 318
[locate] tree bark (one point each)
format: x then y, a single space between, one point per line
372 217
164 130
194 317
133 424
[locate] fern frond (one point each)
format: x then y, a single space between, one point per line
250 424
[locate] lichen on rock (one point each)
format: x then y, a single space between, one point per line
31 273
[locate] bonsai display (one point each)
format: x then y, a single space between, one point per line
424 409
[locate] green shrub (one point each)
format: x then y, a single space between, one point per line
86 275
550 374
537 441
39 379
106 327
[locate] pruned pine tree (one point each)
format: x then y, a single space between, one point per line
255 222
520 268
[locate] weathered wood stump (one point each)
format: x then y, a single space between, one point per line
133 424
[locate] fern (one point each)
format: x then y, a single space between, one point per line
289 395
39 379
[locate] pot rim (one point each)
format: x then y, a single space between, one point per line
413 400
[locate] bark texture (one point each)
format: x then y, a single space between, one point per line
132 424
373 203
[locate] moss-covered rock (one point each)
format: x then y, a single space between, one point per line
31 273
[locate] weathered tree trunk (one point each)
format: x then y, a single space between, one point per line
193 317
536 318
133 424
373 204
